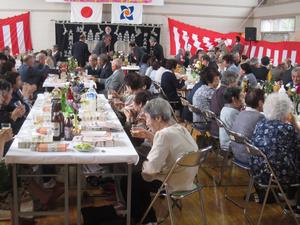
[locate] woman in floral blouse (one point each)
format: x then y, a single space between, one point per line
276 136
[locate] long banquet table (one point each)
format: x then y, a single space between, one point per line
122 152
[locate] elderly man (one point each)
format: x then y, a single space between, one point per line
34 73
105 66
92 67
115 81
295 83
103 47
287 74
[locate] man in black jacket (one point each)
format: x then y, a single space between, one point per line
92 68
80 51
136 54
261 73
105 71
157 49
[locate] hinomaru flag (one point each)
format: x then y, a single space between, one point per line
86 12
127 13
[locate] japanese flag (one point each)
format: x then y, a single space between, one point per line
87 12
127 13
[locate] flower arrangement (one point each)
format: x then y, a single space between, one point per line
268 87
197 67
72 65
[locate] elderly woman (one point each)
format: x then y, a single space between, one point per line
233 104
229 79
276 137
246 121
202 97
170 141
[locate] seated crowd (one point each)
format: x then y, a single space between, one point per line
146 101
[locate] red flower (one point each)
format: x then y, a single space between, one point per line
298 90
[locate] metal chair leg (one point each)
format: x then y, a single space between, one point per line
151 204
169 200
203 212
265 200
251 184
288 204
223 167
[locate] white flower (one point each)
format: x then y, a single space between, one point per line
293 90
288 85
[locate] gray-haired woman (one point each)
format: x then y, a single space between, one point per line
276 137
170 141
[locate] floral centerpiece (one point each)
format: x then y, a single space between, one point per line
72 65
197 67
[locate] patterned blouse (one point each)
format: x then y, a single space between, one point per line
278 141
202 99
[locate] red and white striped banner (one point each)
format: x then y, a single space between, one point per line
15 33
193 38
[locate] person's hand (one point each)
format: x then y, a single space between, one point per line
6 135
28 90
115 94
140 132
183 78
129 115
118 104
17 113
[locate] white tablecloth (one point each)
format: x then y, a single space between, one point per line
54 82
122 152
135 68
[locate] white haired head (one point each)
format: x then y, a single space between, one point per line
117 63
277 106
41 58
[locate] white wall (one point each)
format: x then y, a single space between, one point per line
280 10
218 15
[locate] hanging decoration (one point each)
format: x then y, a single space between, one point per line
193 38
87 12
68 33
15 33
127 13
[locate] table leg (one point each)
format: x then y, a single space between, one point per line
78 194
66 169
129 182
15 195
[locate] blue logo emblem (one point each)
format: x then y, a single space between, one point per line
126 12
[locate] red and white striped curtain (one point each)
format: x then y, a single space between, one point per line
193 38
15 33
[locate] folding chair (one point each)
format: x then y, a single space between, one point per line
191 159
240 139
188 125
226 156
164 96
273 183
